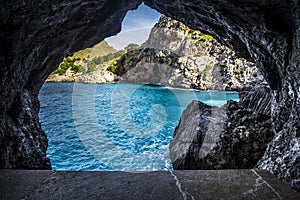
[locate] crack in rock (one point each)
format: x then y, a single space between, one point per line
178 184
259 181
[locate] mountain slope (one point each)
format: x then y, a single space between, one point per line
85 66
100 49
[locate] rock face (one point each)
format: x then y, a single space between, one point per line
231 137
36 35
96 77
177 56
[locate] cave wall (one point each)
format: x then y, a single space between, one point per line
36 35
34 38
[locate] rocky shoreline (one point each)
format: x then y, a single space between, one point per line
95 78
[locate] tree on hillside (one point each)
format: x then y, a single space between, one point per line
131 47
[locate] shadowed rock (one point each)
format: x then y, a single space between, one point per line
34 38
234 136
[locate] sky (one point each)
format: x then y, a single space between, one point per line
136 27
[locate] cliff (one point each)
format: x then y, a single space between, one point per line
175 55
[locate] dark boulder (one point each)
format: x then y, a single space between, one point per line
234 136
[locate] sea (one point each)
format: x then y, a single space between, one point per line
115 126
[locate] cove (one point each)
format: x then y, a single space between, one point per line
115 126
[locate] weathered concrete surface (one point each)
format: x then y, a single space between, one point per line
210 184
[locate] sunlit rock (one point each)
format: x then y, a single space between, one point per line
175 55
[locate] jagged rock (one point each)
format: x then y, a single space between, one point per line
175 55
234 136
36 35
197 133
24 145
67 77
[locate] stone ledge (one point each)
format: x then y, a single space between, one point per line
202 184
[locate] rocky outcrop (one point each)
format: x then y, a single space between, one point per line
68 76
36 35
96 77
175 55
234 136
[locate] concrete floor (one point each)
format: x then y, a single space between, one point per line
202 184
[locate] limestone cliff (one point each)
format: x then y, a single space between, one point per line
177 56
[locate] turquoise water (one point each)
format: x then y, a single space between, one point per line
114 126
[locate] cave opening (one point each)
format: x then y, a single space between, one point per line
86 135
68 149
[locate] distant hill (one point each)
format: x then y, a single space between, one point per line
89 65
100 49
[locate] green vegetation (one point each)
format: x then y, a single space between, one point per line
204 38
128 55
116 65
114 68
197 35
98 57
239 73
224 65
106 58
91 56
132 47
207 70
91 66
100 49
65 65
